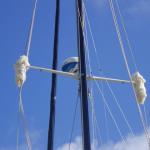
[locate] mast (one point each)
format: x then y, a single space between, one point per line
83 82
54 80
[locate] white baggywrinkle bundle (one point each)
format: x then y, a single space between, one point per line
139 86
21 67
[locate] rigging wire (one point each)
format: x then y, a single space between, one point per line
106 124
145 115
107 82
104 97
118 105
87 50
21 109
121 110
126 35
17 130
88 66
94 119
29 39
96 55
74 118
83 83
92 37
87 45
22 116
127 67
93 116
130 49
109 110
17 139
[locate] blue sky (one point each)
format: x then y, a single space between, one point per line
15 18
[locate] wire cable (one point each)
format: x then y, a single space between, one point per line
106 124
145 115
74 118
17 130
95 126
92 36
90 72
127 67
122 113
17 139
95 121
126 35
29 39
112 93
109 110
131 51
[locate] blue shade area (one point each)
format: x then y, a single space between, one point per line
69 66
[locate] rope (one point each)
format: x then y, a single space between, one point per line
28 44
127 67
22 115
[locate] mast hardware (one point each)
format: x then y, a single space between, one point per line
70 69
